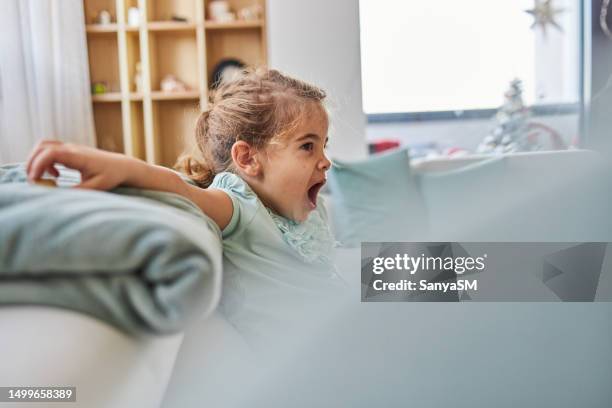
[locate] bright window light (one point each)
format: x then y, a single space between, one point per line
421 55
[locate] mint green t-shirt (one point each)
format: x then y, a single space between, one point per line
272 267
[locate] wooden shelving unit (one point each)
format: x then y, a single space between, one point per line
155 125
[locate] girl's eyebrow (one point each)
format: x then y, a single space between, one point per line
308 136
311 136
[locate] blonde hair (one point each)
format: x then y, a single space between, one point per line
259 107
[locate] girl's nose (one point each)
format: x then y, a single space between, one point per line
325 164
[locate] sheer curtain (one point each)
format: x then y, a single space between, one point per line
44 76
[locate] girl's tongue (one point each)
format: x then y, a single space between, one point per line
312 194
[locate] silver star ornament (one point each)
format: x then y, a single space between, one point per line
544 14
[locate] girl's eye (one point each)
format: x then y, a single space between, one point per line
307 146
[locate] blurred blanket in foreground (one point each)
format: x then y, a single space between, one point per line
144 261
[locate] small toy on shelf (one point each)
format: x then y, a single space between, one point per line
104 17
250 13
171 83
99 88
219 11
133 16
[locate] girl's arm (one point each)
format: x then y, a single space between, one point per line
103 170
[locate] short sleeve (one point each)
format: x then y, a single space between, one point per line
244 201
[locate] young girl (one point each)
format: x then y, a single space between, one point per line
258 165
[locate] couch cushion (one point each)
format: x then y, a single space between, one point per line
377 199
544 196
457 199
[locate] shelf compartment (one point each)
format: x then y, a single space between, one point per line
245 45
174 128
133 57
109 132
93 7
175 54
164 10
104 48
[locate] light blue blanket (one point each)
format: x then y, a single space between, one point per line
144 261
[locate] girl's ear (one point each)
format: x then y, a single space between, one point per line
245 158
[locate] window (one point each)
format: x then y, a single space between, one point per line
448 55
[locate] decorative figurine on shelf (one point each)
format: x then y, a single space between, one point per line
226 70
133 16
219 11
171 83
99 88
250 13
104 17
138 84
511 132
179 19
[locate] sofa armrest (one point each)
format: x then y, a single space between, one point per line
55 347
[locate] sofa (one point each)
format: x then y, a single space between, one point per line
199 367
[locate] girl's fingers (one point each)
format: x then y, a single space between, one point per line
50 156
94 183
37 149
41 162
32 156
53 171
60 154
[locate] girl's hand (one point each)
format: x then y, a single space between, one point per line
103 170
100 170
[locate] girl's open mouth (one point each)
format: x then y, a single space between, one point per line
313 192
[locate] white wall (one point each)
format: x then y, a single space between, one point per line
318 41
